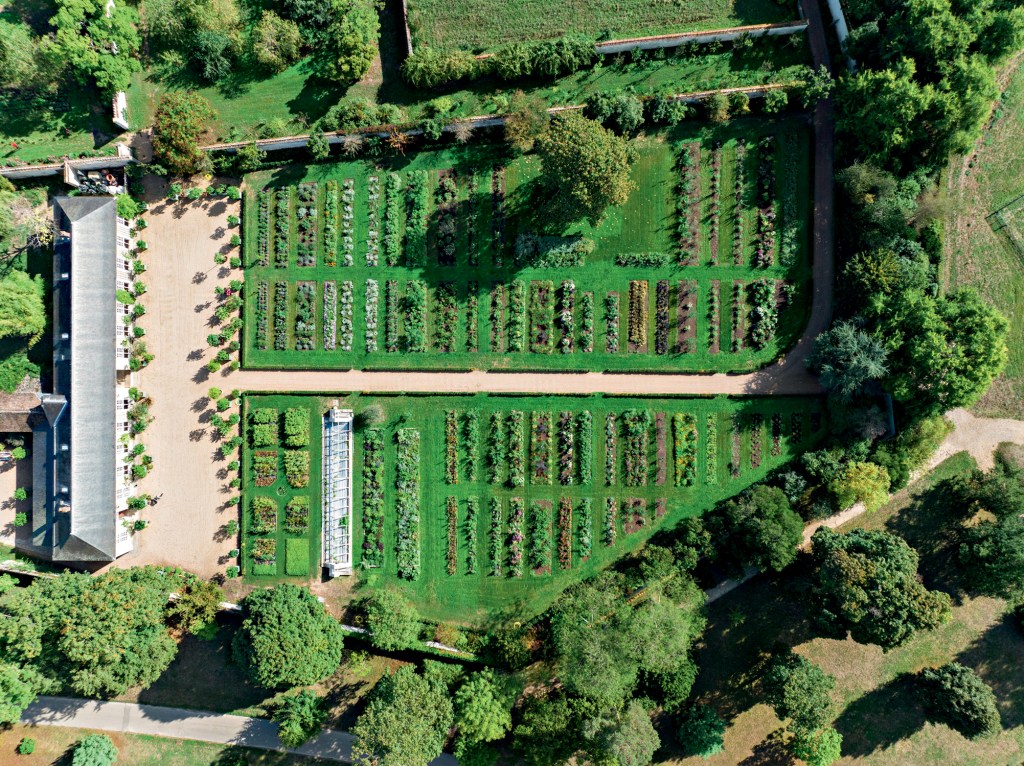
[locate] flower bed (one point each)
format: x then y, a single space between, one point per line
739 189
264 467
610 443
280 316
416 219
638 315
472 308
264 550
472 253
415 316
296 467
714 318
263 204
262 295
565 533
715 203
348 239
610 520
494 542
373 498
684 435
515 536
585 528
637 425
541 316
585 440
445 196
472 507
305 321
540 448
296 515
540 536
446 316
688 204
587 323
496 448
776 434
686 340
711 453
497 319
407 502
566 449
756 440
471 434
634 512
345 316
391 316
565 323
306 214
516 449
262 516
764 254
789 240
737 449
373 213
516 316
451 447
372 298
611 323
392 219
282 219
764 316
330 317
661 448
661 317
498 215
331 224
739 304
452 555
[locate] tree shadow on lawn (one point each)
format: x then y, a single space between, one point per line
881 718
742 628
928 524
998 657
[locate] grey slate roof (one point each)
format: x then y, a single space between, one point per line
75 519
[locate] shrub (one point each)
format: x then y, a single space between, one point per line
701 730
232 572
21 494
94 750
299 717
957 696
18 453
27 746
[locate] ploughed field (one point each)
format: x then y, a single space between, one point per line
481 25
475 503
443 260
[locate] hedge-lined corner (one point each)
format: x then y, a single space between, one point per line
281 486
472 503
431 262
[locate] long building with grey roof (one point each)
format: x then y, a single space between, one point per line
81 478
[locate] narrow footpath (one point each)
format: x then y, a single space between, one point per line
176 723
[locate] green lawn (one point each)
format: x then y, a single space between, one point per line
44 126
751 437
877 711
478 327
294 550
290 101
480 25
977 255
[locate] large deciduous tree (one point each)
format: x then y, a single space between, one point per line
180 120
99 48
991 550
865 584
16 693
798 690
287 637
584 168
345 49
483 708
761 527
625 738
405 722
22 312
393 621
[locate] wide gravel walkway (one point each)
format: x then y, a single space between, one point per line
152 720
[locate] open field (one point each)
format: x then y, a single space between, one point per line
427 261
479 503
483 25
980 249
288 102
878 712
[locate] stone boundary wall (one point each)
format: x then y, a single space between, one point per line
58 168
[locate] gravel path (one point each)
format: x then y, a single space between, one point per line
156 721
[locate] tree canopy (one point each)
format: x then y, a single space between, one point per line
955 695
625 738
94 750
299 717
180 120
405 722
483 708
865 583
991 546
22 313
392 620
97 47
584 168
761 527
798 690
287 637
846 359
